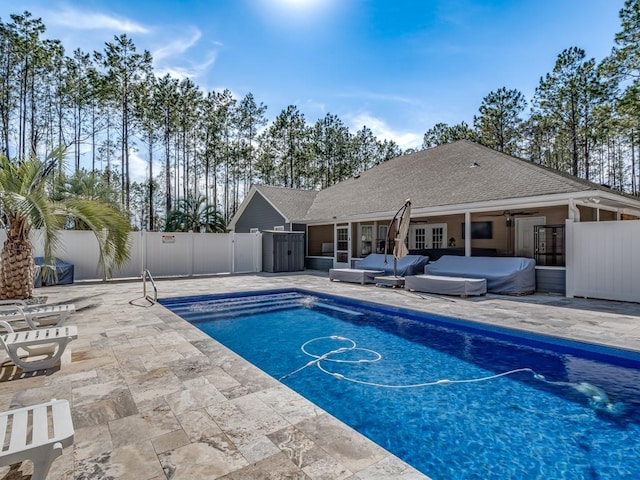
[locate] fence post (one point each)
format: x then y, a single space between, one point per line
232 249
570 248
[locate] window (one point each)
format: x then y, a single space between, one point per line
365 239
419 238
382 238
254 230
437 237
425 236
279 228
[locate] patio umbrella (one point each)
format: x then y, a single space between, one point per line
399 228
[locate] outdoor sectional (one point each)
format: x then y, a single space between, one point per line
374 265
504 275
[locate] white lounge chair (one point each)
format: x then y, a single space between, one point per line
47 342
36 316
37 433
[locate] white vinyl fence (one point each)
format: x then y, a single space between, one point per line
162 253
603 260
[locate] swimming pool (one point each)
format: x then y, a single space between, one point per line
452 398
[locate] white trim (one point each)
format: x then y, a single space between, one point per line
254 230
555 200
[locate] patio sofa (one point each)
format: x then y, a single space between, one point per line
505 275
373 265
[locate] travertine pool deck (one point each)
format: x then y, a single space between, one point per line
154 398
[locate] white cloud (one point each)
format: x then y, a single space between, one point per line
178 46
383 131
79 20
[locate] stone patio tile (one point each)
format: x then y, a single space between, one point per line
186 368
221 379
156 383
42 394
194 399
99 391
266 419
76 378
327 469
104 411
170 441
145 426
239 427
390 467
258 449
199 426
354 452
289 404
111 374
134 461
90 441
298 448
200 461
276 467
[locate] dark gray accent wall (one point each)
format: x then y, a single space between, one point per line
322 264
551 280
258 214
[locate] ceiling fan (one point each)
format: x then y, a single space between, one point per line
508 213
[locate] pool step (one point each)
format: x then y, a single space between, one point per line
239 311
230 303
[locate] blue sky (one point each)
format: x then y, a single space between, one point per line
397 66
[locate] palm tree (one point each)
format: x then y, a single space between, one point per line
195 215
26 206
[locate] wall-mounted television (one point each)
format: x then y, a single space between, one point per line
480 230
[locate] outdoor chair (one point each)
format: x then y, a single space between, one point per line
35 316
48 342
37 433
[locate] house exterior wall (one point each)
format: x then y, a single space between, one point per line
259 214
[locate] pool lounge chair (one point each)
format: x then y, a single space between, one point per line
37 433
374 266
36 316
49 343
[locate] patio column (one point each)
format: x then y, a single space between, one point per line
467 234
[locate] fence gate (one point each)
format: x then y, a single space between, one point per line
603 260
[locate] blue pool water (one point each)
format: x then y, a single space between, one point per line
568 410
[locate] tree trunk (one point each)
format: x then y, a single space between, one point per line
16 268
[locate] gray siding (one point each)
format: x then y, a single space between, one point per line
258 214
551 280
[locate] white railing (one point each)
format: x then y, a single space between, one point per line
164 253
151 299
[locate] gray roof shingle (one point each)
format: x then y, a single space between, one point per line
291 202
436 177
440 176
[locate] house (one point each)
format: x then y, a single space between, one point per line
466 199
272 208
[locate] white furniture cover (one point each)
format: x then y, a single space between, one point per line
506 275
446 285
